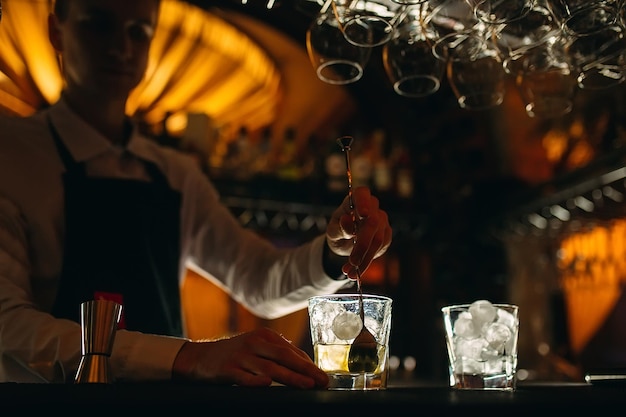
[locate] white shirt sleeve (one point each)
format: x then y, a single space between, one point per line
34 346
269 281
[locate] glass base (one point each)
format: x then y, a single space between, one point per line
357 381
499 382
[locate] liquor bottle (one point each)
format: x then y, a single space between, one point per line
335 168
403 172
382 176
262 162
239 155
287 160
362 162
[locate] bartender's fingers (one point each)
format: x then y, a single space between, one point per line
251 359
372 240
340 229
345 221
286 364
373 232
364 202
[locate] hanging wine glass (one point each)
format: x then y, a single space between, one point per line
545 79
474 71
408 59
335 60
600 57
365 23
502 11
410 2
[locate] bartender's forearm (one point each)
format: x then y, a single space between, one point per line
144 357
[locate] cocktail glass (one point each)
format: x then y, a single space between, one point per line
335 322
481 340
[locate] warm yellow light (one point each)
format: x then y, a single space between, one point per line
555 143
26 58
198 64
176 123
593 269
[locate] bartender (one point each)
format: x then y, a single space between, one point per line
90 208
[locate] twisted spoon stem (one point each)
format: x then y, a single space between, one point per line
345 142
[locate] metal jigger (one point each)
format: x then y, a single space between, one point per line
98 320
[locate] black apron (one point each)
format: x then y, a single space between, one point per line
121 243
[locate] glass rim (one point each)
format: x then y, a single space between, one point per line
490 17
350 297
428 80
467 305
338 79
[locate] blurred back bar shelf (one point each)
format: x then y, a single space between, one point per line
596 191
566 252
303 206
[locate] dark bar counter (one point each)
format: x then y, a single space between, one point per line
426 400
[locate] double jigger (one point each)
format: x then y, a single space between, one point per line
99 320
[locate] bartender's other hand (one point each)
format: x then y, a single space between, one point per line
253 359
373 232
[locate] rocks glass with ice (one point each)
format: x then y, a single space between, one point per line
481 340
335 322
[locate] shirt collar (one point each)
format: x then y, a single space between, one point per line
81 139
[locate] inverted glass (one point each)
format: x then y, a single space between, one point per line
474 70
502 11
600 58
335 60
408 59
545 80
365 23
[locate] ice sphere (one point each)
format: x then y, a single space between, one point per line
511 344
506 318
464 326
465 365
490 354
493 366
347 325
482 312
470 348
324 312
497 334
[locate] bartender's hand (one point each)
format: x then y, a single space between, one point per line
373 232
252 359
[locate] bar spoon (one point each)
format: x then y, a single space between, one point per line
363 355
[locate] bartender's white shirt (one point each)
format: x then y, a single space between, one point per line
35 346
